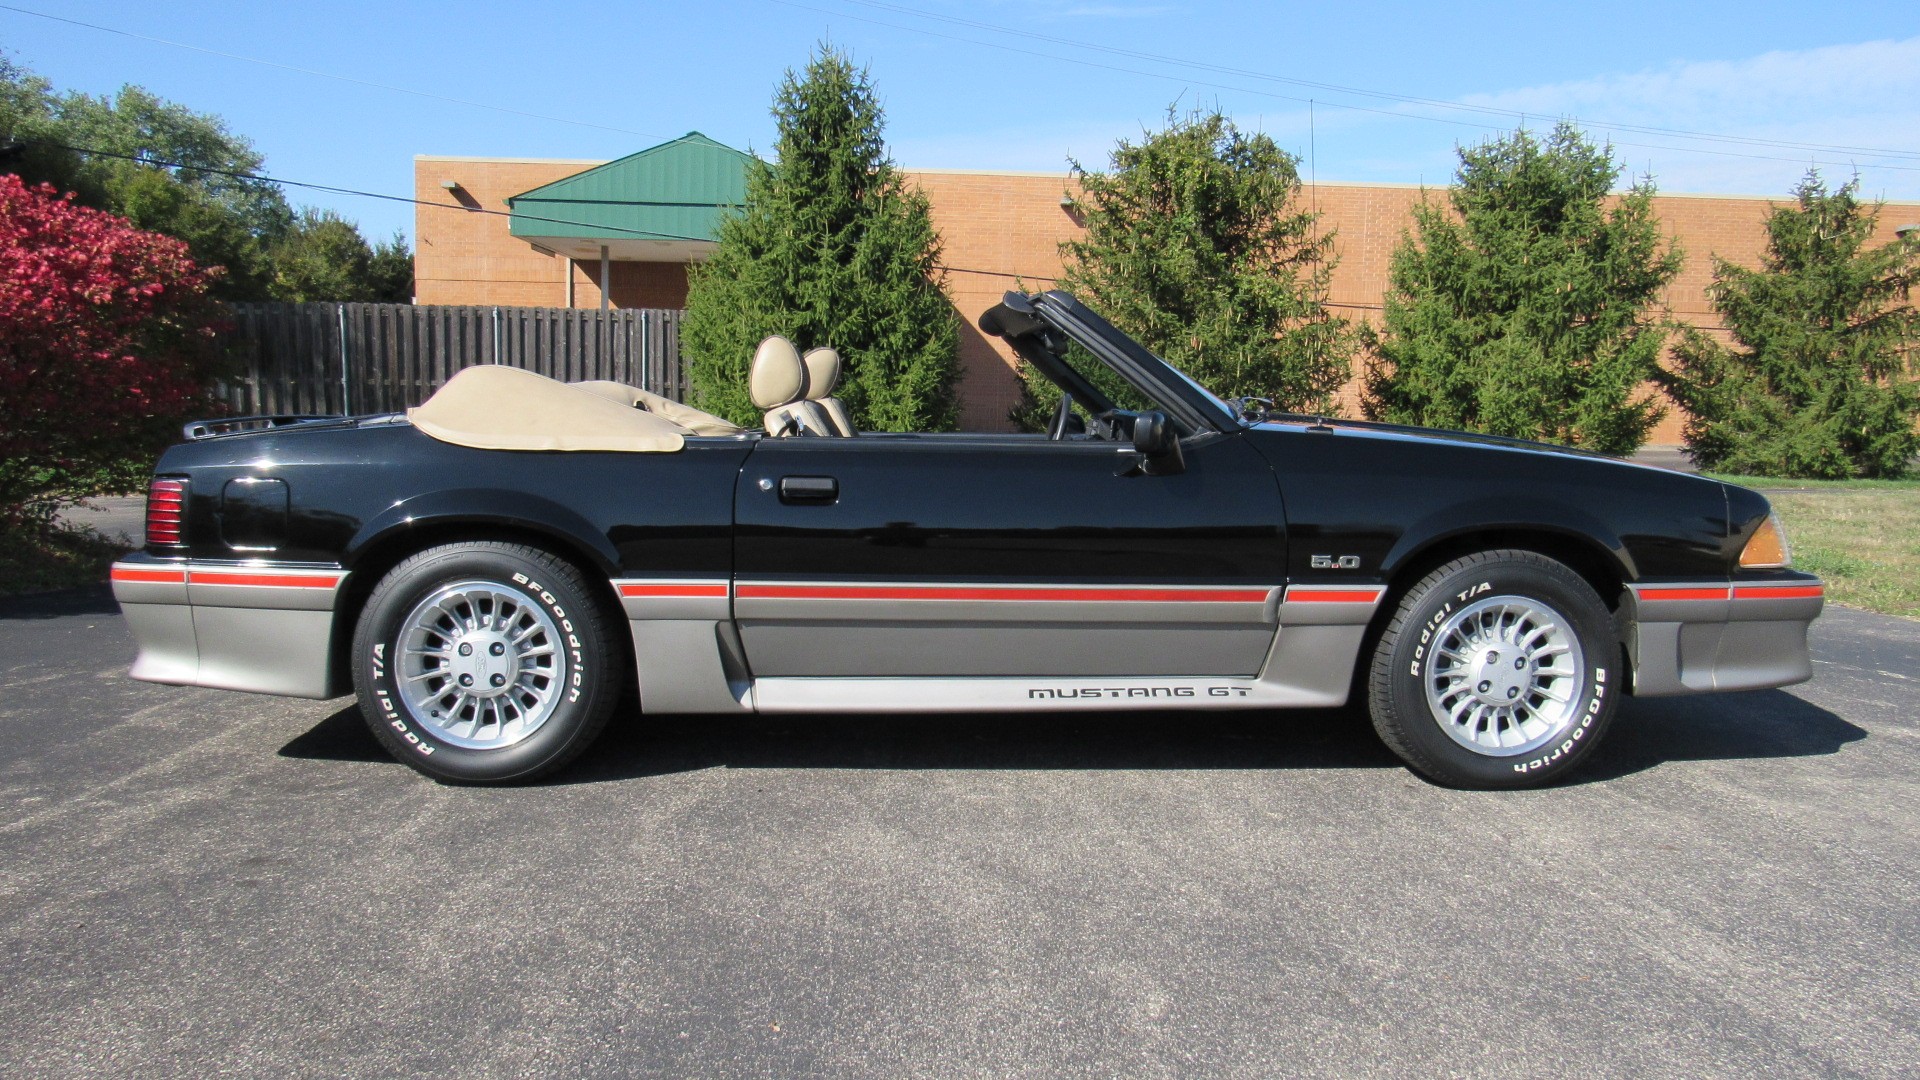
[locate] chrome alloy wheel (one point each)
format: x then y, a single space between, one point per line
481 664
1502 675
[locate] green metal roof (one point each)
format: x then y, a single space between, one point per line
677 190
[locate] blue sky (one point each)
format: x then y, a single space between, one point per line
1019 85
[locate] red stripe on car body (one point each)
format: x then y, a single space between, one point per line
1333 596
949 592
152 577
278 581
1719 593
672 589
1778 592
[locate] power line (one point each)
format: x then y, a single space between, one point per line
263 178
1357 306
1136 54
1396 114
327 74
1363 91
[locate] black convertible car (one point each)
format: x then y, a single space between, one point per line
495 571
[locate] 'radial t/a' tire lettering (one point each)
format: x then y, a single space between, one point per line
1499 670
485 662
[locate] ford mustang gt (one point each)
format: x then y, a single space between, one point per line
495 572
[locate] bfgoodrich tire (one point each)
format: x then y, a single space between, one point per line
485 663
1499 670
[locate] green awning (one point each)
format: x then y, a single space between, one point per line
663 204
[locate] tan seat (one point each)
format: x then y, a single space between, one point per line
778 383
694 420
823 374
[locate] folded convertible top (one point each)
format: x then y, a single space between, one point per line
504 408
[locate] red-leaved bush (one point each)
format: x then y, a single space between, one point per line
107 343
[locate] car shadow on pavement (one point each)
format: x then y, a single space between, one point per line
636 746
1716 727
342 736
1761 724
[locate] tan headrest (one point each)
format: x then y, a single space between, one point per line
778 377
823 372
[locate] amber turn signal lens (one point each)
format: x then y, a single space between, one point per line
1768 549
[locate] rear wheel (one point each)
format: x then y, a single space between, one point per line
1497 671
485 662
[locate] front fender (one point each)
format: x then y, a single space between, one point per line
1495 515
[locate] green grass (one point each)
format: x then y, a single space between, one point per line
1861 536
1774 483
34 560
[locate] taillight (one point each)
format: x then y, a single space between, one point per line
166 511
1767 549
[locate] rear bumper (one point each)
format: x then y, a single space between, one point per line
261 627
1749 634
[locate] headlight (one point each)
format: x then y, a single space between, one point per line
1767 550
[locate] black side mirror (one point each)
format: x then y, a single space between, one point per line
1159 444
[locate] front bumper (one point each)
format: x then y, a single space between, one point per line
256 626
1747 634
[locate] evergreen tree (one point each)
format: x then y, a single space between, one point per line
1196 245
833 247
1823 381
390 272
1528 309
323 257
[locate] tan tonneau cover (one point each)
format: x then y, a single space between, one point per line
505 408
694 420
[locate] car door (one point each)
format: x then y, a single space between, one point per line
980 555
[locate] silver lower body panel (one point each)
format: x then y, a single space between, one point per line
1751 636
689 666
266 651
917 650
258 628
1307 667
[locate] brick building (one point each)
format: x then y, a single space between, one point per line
992 223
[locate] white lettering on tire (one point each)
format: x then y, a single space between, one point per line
1587 716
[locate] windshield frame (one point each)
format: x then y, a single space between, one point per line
1024 320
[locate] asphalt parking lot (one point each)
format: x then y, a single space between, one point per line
195 882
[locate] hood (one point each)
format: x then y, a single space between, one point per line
1408 433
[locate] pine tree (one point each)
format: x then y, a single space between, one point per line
1197 246
1525 306
833 247
1823 381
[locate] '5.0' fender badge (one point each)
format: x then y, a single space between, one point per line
1334 562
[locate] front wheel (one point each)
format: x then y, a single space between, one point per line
485 662
1497 671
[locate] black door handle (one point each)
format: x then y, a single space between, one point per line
809 489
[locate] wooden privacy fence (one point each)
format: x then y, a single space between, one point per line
375 358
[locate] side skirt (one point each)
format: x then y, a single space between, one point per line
689 659
1310 667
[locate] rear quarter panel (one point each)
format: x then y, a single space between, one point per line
355 490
